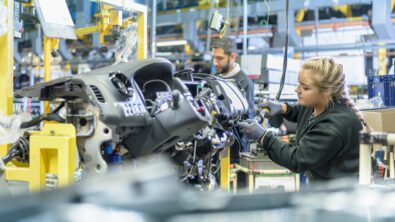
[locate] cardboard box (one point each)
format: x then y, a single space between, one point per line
381 120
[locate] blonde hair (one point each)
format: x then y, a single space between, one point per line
330 78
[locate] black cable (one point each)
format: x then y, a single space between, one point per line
285 52
237 137
210 163
53 116
11 155
20 149
59 107
204 75
32 122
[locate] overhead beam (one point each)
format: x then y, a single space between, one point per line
254 9
381 19
293 38
327 48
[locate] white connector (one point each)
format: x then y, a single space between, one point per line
216 21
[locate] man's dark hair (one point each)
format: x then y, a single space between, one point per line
226 43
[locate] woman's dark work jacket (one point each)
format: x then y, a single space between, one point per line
326 147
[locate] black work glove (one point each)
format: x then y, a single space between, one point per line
274 112
251 129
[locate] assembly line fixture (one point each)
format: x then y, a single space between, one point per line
367 142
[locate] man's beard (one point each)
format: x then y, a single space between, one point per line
225 69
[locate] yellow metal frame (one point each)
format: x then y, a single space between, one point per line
382 59
345 9
81 32
49 45
225 171
298 18
142 36
109 17
52 150
6 67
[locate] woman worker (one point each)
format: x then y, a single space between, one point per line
328 125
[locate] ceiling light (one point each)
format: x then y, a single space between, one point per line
171 43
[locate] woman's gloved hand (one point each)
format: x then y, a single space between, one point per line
275 108
251 129
274 112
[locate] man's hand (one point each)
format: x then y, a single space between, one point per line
251 129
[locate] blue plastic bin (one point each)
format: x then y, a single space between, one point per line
390 83
383 86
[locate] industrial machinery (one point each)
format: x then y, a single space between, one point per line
130 110
366 149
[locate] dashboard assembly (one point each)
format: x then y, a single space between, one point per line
144 107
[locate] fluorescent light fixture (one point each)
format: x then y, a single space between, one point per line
171 43
163 54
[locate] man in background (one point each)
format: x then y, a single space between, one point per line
224 51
